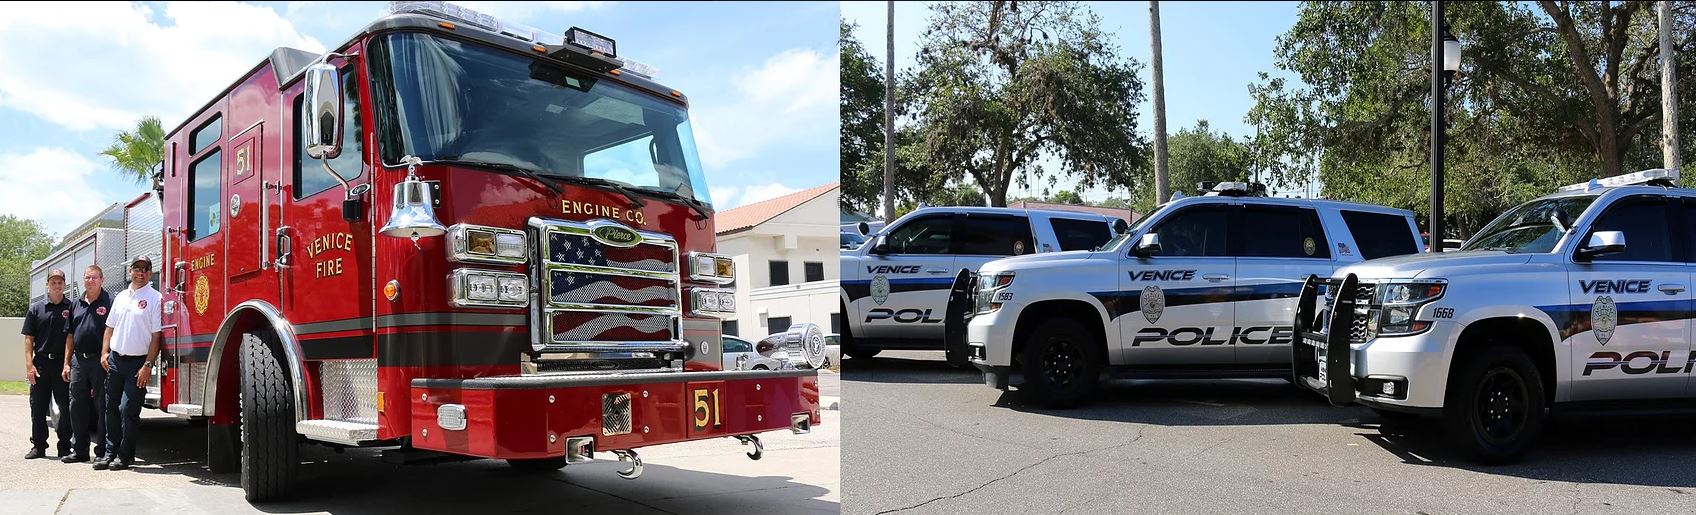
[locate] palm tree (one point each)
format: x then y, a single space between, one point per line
137 152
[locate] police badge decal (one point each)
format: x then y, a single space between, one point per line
1153 303
1603 317
880 289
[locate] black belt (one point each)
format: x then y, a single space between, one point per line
46 356
87 355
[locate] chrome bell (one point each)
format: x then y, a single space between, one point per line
413 214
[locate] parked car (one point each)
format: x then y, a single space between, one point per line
740 354
832 349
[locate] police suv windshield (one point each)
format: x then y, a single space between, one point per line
1529 227
452 100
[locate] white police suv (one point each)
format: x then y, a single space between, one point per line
1203 287
1576 301
894 287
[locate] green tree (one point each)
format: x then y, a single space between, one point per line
1548 94
861 144
21 242
137 152
1198 154
1000 84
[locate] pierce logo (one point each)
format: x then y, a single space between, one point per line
616 235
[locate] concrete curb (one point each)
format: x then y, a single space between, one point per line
830 403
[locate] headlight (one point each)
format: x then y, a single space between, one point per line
989 295
479 244
713 302
1399 303
711 268
482 288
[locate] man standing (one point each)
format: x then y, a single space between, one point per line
83 370
128 349
44 331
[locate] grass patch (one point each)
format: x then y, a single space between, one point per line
14 388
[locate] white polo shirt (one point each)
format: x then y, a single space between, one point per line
134 318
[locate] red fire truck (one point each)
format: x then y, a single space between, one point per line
452 236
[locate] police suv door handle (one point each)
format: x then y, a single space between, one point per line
1216 277
936 270
1672 289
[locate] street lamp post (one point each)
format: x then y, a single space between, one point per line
1445 60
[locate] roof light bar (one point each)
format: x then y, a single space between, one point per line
575 36
592 41
1653 177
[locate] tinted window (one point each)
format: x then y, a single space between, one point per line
309 176
1194 232
731 345
929 235
779 273
205 210
851 240
814 271
777 324
993 236
1642 222
836 323
730 328
207 135
1281 232
1080 234
1381 235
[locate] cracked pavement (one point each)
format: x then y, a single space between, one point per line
921 437
798 474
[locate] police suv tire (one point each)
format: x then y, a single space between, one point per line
1068 344
270 447
538 464
1495 407
957 358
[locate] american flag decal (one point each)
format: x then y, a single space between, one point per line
579 249
587 288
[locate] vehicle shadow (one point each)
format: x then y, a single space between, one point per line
1635 450
1198 402
908 367
358 481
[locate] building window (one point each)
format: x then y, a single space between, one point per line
836 323
730 328
777 324
779 273
814 271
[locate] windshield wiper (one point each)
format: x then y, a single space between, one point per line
694 204
504 167
608 184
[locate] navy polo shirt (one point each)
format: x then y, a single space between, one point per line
48 323
88 323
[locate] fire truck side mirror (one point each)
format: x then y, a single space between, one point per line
324 104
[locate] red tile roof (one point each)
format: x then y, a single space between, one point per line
746 217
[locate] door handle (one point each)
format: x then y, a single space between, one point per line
1671 289
1216 277
936 270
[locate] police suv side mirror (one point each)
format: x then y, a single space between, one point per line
864 228
1148 245
324 111
1603 242
1119 226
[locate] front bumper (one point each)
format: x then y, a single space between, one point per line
527 417
1401 373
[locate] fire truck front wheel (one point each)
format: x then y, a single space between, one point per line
270 448
538 464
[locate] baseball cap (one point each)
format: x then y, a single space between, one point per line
142 263
56 273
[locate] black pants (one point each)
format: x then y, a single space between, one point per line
88 403
123 406
49 387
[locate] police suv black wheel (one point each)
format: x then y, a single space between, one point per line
538 464
1062 363
957 358
1495 407
270 447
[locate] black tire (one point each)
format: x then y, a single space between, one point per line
1062 362
270 448
859 353
957 358
538 464
760 367
1495 407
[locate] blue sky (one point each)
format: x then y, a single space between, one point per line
761 77
1212 52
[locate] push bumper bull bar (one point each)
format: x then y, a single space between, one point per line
528 417
1320 356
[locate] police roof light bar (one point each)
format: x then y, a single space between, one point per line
1652 177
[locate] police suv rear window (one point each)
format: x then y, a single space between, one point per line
992 236
1282 232
1080 234
1381 235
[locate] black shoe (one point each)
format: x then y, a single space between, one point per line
35 453
118 465
102 463
74 458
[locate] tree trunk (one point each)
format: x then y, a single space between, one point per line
889 122
1161 189
1669 92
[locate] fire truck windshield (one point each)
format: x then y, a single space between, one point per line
448 99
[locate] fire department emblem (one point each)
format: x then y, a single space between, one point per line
1153 303
100 311
880 289
202 295
1604 315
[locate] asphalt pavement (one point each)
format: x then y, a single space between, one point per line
922 437
798 474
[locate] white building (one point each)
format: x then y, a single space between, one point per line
787 265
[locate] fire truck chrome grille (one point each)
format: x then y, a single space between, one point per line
600 289
615 414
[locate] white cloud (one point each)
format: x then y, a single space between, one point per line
727 197
108 64
51 186
791 96
765 192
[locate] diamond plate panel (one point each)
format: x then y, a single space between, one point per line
350 389
615 414
197 383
